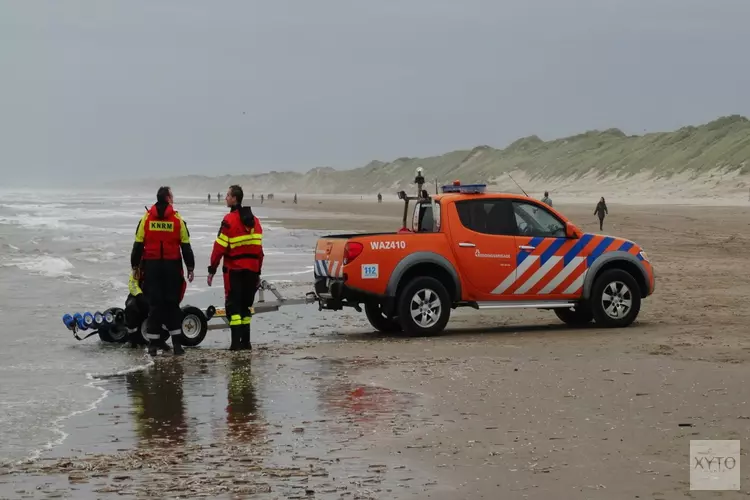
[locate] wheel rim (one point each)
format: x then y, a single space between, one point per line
118 334
617 300
425 308
191 326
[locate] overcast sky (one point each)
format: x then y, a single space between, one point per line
136 87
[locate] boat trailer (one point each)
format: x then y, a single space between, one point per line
196 322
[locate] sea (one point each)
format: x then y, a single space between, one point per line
66 252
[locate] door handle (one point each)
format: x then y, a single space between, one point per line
526 247
465 244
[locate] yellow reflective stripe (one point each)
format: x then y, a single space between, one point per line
184 233
245 237
246 321
244 243
140 233
235 320
221 242
223 237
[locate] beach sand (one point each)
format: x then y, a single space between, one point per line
502 405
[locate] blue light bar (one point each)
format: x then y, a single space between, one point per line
465 189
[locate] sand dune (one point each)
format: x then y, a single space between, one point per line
707 164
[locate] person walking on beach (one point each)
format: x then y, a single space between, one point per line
600 211
240 243
209 197
162 242
547 199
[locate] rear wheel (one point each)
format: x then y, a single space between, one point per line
194 326
423 306
577 316
378 319
615 299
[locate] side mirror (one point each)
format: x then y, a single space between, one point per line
571 231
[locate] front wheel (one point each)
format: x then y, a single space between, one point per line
378 319
423 306
194 326
615 299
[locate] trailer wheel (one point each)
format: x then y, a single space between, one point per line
140 335
115 334
378 320
194 326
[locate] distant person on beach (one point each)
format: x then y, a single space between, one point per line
600 211
295 198
218 197
380 198
547 199
209 197
261 199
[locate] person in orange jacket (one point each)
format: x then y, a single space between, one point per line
162 242
240 243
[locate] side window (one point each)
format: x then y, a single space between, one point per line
487 216
534 220
426 220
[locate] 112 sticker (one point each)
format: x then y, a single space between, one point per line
369 271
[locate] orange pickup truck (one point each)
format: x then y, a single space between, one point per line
483 250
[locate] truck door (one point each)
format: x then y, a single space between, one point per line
550 265
482 236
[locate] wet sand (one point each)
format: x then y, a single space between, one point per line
503 405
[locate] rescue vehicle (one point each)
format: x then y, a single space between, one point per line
471 248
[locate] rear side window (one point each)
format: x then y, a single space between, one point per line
426 218
487 216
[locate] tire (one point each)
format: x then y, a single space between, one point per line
140 335
411 295
115 334
578 316
378 320
623 287
194 326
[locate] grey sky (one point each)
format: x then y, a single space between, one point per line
140 87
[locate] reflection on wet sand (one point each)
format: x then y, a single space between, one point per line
290 426
242 403
158 404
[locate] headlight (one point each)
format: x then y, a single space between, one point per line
643 255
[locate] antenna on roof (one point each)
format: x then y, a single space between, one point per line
514 181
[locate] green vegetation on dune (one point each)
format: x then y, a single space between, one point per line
722 143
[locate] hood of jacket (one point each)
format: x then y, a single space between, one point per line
246 215
161 210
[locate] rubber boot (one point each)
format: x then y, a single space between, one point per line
133 337
152 347
245 338
162 344
178 349
236 338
